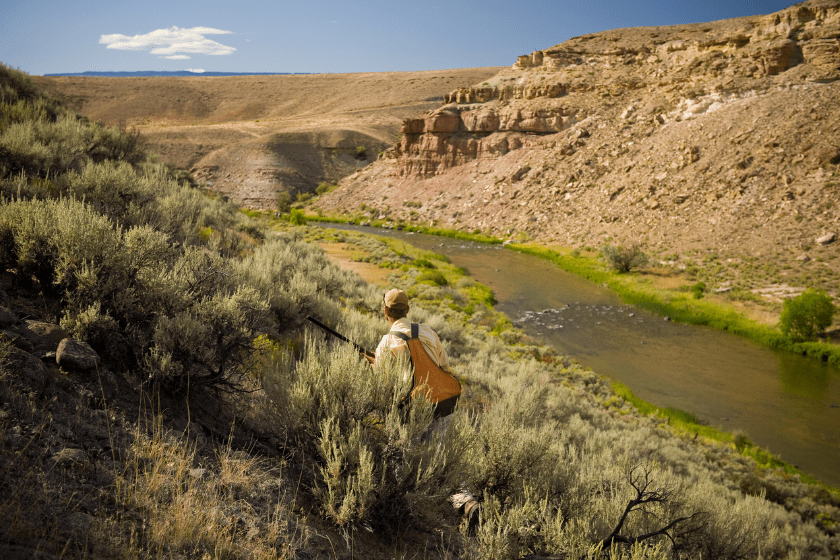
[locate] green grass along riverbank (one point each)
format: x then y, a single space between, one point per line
680 306
626 286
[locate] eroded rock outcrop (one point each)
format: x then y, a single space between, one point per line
804 34
484 94
454 135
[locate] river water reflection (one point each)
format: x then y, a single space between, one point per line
785 403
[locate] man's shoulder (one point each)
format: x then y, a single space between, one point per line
401 325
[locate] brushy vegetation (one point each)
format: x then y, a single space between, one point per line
284 202
185 297
807 315
623 259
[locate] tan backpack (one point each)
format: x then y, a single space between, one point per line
439 387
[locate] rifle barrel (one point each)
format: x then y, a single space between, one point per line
339 336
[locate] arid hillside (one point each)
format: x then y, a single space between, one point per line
718 140
251 137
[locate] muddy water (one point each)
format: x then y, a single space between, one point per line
785 403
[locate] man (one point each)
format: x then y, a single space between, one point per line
420 346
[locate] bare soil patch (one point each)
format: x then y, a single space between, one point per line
345 255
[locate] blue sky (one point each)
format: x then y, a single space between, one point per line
56 36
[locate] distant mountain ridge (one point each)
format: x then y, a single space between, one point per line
173 73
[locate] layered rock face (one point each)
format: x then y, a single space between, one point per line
455 135
484 94
719 136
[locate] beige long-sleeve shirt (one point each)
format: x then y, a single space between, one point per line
399 348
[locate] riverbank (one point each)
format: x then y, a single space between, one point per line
682 421
663 290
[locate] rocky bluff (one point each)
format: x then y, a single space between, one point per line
453 136
719 137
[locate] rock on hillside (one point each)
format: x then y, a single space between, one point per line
722 136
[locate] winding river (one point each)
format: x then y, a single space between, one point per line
783 402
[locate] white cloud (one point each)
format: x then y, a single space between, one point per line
170 43
196 70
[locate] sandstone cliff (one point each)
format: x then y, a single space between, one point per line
720 138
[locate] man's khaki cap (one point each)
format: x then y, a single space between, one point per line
396 299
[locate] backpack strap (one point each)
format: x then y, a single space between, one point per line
406 338
415 333
400 335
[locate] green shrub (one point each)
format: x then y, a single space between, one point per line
113 188
39 147
481 294
361 152
422 263
20 111
806 315
186 315
17 85
117 144
253 228
434 277
208 345
103 333
297 217
58 242
623 259
284 202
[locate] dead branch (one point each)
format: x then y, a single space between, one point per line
645 495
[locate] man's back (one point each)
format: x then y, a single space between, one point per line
399 348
